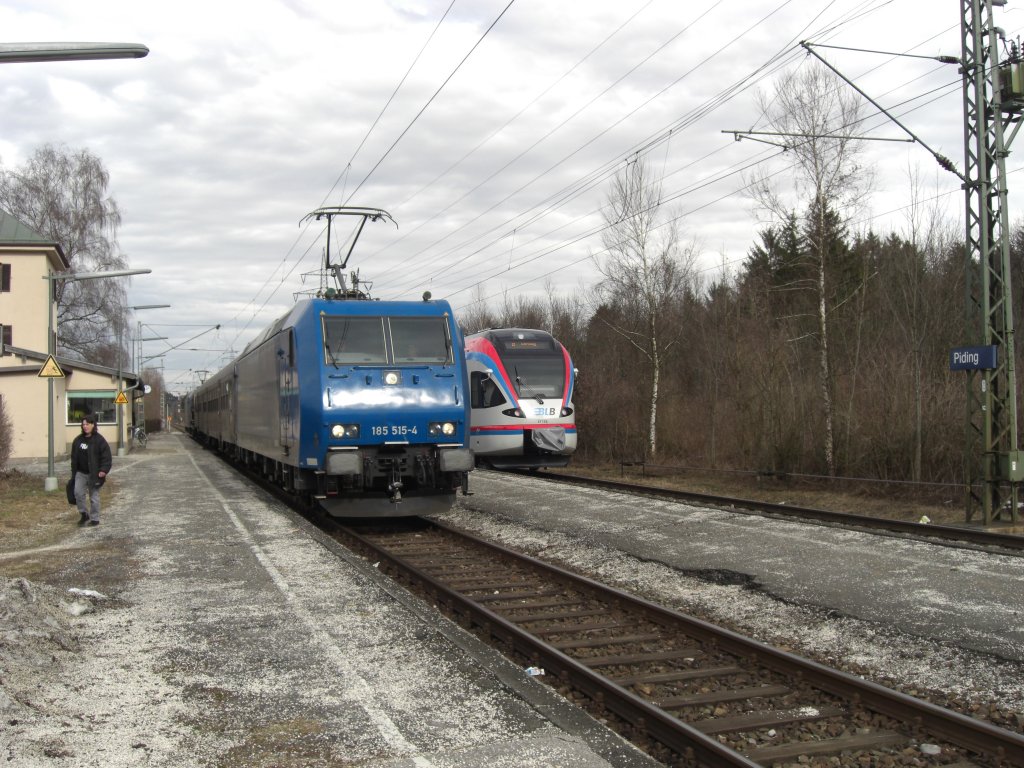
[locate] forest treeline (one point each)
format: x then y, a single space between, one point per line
741 378
826 353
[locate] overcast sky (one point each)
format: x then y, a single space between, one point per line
487 129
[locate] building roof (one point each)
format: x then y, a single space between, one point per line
65 363
14 232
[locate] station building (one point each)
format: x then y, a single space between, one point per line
27 261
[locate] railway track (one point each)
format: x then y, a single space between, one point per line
949 534
686 691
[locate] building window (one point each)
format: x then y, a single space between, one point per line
100 402
5 278
6 337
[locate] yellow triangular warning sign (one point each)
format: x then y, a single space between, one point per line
50 369
121 399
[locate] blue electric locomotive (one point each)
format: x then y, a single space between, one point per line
349 401
359 405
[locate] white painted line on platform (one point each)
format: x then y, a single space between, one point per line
361 691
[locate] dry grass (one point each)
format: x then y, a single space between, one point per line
31 517
891 501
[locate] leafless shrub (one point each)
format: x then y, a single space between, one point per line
6 436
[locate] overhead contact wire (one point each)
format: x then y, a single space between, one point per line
429 102
708 108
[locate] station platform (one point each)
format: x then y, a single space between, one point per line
231 632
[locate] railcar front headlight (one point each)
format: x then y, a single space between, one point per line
515 413
391 378
446 428
567 411
340 431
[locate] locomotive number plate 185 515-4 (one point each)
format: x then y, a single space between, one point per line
393 430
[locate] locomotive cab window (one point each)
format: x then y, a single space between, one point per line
354 341
422 340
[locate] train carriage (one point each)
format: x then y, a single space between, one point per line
521 389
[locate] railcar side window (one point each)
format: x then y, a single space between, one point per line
420 340
484 393
354 341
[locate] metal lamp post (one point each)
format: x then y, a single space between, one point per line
51 343
141 414
31 52
120 382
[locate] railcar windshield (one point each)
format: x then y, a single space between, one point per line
534 363
354 341
420 340
537 377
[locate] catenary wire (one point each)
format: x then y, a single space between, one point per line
730 92
590 141
381 160
429 102
535 279
293 270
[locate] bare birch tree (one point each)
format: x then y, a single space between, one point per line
646 272
63 196
820 116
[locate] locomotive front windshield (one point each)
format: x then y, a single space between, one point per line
355 341
535 366
386 341
420 340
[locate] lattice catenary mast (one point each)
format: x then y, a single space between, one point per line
993 101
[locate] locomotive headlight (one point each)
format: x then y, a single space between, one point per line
446 428
340 431
391 378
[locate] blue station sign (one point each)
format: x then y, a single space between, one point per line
972 358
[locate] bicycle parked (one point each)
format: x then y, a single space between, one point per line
139 436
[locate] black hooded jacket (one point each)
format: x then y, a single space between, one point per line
97 456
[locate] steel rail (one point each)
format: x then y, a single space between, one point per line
654 721
976 735
942 533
